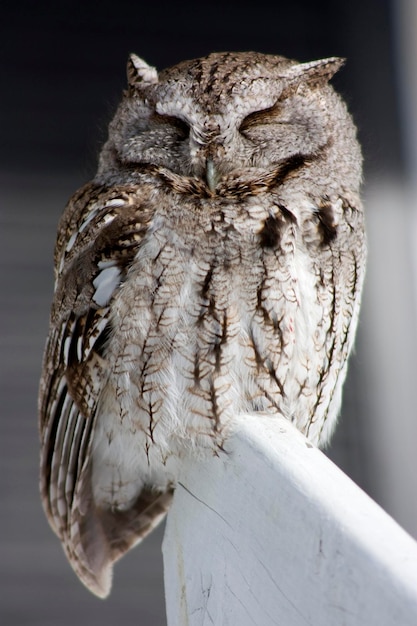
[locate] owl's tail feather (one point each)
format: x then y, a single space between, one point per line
99 537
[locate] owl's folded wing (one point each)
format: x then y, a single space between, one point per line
99 234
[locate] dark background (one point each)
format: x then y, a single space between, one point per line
62 73
65 62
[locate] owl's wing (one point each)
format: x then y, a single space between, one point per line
98 236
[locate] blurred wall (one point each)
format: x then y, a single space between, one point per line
390 306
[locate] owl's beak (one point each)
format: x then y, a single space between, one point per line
212 175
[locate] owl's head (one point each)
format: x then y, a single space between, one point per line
233 117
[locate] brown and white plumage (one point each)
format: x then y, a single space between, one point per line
213 267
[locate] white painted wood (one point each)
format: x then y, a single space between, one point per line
274 533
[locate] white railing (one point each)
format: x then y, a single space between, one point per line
272 532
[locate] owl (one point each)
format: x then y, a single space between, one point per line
213 267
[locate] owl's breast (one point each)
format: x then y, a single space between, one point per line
211 321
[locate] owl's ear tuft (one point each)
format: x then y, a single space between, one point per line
315 73
139 73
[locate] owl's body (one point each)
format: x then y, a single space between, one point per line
212 268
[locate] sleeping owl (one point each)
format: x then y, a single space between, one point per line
213 267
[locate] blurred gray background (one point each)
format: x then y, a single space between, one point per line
62 72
